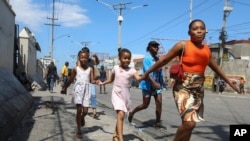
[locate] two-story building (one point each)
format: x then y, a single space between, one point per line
28 47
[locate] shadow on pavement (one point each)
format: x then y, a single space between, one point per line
46 120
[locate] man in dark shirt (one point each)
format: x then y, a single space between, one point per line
51 76
102 79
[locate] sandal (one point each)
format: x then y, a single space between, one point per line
79 135
96 115
82 122
115 138
159 126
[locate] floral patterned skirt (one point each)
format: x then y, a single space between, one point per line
188 95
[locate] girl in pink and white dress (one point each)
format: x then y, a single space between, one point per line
122 76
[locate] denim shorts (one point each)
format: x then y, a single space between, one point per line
148 93
93 96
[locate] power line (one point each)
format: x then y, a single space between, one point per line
246 4
163 27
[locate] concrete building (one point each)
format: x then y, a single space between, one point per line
28 47
7 36
235 49
240 49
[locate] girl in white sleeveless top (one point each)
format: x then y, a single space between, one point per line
83 74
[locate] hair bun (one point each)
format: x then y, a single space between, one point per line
119 49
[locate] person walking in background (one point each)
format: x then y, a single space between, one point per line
152 86
222 86
189 92
92 62
103 78
51 76
65 73
121 75
166 83
83 74
241 85
215 84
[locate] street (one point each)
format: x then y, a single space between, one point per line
220 112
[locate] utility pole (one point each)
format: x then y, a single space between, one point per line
190 11
227 9
120 7
52 30
85 44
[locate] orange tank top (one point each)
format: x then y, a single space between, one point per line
195 59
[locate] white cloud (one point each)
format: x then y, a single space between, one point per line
72 15
28 13
34 14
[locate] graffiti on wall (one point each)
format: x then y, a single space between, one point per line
208 81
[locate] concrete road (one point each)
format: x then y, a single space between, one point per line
220 112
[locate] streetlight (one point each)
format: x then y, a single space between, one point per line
120 7
68 35
52 44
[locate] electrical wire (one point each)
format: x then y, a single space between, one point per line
161 27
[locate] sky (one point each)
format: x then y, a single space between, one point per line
94 23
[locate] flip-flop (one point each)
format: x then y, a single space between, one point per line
115 137
159 126
96 116
79 135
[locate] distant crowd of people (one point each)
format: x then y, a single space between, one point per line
221 85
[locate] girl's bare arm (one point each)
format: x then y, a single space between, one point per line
110 80
92 80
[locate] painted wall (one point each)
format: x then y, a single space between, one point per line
28 51
7 33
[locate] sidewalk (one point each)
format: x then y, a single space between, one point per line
52 118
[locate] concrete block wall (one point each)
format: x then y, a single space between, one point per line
15 101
